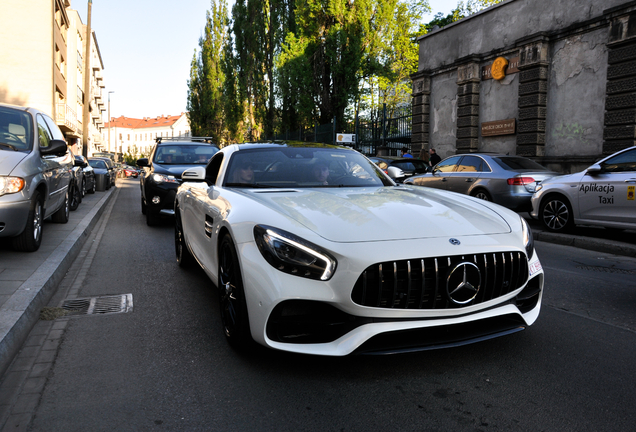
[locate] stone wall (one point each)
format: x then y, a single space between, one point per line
569 88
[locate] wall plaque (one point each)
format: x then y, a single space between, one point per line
513 67
499 127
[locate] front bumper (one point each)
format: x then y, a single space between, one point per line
160 196
14 210
313 317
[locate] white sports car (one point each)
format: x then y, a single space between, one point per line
315 250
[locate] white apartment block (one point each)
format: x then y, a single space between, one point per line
43 66
137 136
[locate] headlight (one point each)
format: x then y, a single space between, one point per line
528 241
291 254
9 185
160 178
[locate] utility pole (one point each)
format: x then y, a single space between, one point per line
87 83
109 120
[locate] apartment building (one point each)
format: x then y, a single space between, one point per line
43 66
137 136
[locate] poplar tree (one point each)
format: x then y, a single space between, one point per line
205 88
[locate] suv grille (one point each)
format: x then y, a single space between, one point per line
422 283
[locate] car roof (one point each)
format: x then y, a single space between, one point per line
278 144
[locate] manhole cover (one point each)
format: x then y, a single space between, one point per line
605 269
99 305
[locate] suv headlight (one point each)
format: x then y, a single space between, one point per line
293 255
528 240
160 178
9 185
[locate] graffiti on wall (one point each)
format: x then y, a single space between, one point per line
573 131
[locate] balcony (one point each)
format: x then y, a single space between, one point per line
66 118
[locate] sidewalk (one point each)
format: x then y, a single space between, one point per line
28 280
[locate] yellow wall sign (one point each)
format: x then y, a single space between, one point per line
631 190
498 68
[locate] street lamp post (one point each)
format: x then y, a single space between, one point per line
109 120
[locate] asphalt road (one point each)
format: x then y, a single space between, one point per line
166 365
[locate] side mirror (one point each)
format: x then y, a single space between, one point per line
594 169
143 162
395 173
56 148
196 173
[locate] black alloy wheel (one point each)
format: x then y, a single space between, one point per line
232 297
143 206
184 257
74 197
83 189
31 238
62 214
94 187
555 214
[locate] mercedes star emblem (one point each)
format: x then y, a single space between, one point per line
463 283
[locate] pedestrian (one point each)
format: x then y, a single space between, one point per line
406 153
434 159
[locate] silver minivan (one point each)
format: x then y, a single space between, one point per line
35 173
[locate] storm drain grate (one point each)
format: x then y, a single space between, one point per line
606 269
99 305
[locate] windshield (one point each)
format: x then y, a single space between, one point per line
302 167
191 154
97 163
16 132
518 163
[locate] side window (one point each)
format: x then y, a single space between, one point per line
56 133
624 162
470 164
212 170
44 135
448 165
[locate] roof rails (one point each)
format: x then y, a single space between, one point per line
208 140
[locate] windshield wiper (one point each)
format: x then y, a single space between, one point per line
10 146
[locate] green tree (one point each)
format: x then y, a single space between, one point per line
205 87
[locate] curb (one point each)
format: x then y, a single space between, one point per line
599 245
21 312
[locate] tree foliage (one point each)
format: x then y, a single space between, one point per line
277 65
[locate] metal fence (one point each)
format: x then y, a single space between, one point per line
389 133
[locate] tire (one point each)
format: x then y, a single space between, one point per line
143 206
234 316
184 257
555 213
94 188
74 197
62 214
481 194
30 239
152 217
83 189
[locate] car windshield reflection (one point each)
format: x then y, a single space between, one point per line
302 168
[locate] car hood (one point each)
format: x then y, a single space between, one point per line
386 213
173 170
9 160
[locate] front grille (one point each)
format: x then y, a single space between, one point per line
422 283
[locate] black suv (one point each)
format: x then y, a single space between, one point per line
162 172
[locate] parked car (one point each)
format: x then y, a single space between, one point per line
35 174
502 179
325 266
130 171
162 176
112 169
78 184
89 174
100 168
405 167
602 195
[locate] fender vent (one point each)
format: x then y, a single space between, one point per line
99 305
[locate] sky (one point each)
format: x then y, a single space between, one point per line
147 47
